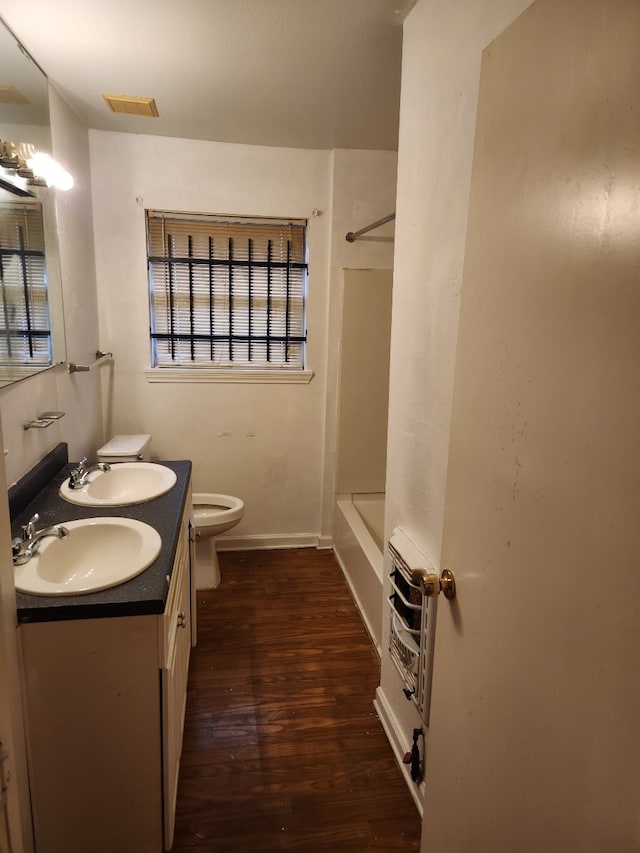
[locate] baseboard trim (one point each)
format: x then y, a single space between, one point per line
267 541
392 731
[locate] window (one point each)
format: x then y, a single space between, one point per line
226 292
25 332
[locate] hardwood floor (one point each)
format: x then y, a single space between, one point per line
282 747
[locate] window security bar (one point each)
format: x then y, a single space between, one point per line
228 301
174 335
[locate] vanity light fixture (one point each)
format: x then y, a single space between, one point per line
45 167
36 167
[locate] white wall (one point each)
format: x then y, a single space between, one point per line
364 381
364 191
440 78
262 442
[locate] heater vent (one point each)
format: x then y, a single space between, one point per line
413 615
131 105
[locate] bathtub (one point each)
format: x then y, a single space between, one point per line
358 537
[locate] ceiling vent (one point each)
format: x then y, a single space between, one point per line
131 105
10 95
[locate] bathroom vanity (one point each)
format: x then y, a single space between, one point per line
105 679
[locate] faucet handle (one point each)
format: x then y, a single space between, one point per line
29 529
76 477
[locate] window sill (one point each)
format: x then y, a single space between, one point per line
185 374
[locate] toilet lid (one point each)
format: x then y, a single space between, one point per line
124 445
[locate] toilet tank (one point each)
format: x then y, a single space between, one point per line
126 448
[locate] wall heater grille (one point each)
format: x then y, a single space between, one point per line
412 621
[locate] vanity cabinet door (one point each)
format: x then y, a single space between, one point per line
104 732
174 678
93 730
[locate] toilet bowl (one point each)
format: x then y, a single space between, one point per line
213 514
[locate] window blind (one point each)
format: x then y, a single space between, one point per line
25 332
226 291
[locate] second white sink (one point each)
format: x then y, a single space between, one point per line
125 484
97 554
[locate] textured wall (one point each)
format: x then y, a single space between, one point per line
262 442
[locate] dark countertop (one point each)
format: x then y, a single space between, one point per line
143 595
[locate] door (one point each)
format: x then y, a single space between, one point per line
534 738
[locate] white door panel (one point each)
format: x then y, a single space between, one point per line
534 740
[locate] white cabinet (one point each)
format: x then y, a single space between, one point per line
175 638
105 701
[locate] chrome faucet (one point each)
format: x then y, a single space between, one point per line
26 546
79 475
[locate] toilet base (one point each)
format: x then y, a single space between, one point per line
207 568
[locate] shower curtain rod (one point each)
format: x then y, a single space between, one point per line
352 236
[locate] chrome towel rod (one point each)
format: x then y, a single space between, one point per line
84 368
352 236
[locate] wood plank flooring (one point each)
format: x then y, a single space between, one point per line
282 747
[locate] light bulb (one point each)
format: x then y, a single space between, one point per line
45 167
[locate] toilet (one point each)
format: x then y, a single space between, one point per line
213 514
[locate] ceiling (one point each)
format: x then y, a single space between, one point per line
292 73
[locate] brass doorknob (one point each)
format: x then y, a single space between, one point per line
431 585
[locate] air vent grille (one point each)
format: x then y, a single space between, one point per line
10 95
131 105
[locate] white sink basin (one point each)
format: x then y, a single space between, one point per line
125 484
97 554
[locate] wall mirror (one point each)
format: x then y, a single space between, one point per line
31 319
